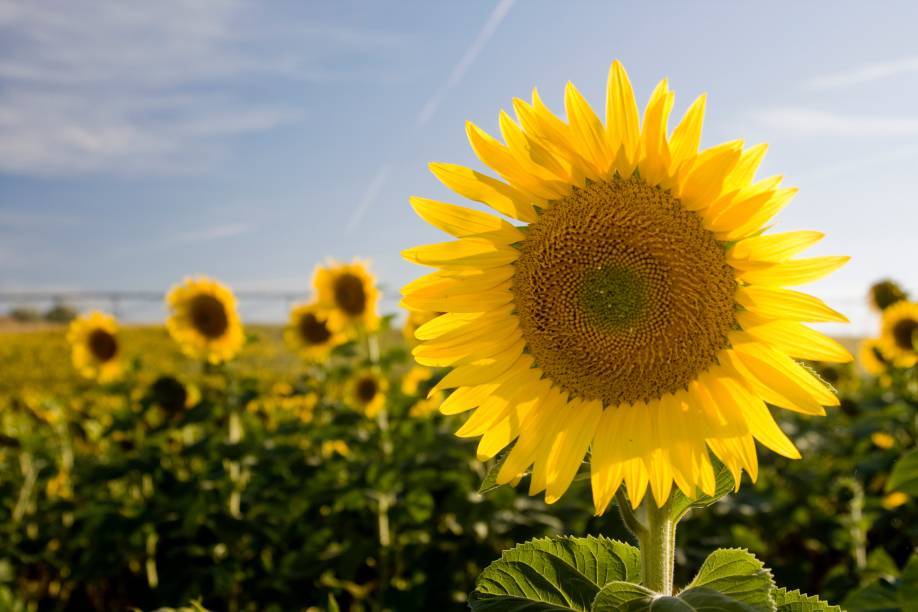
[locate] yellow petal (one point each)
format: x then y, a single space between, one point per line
779 362
529 153
541 421
704 182
463 253
481 371
466 398
795 271
569 448
795 339
605 470
586 126
787 304
501 160
500 434
459 323
687 135
460 302
756 220
460 221
655 157
774 247
771 385
482 188
622 129
744 171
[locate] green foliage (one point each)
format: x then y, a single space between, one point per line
554 574
904 476
723 484
601 575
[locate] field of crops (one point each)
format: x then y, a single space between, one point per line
271 483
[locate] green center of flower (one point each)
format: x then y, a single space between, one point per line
622 294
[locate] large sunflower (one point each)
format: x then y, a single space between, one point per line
204 320
639 313
899 334
309 333
96 350
349 291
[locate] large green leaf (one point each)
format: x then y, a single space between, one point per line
738 574
904 476
723 484
878 596
795 601
554 574
628 597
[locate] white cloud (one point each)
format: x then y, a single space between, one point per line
148 87
864 73
471 54
809 121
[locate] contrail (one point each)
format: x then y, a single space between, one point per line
369 196
471 54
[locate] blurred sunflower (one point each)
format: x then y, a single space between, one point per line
95 348
899 332
413 321
870 354
349 291
640 312
885 293
412 380
204 321
309 334
427 406
366 391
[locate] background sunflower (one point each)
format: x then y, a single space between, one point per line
204 321
309 332
96 352
349 292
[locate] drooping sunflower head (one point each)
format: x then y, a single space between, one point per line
349 292
204 320
366 392
885 293
639 313
870 354
310 333
899 334
95 349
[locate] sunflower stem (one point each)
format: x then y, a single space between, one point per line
658 546
632 522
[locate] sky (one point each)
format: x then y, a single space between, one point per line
141 142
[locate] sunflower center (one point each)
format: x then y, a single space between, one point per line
622 294
904 334
350 295
366 390
877 354
313 330
102 345
208 315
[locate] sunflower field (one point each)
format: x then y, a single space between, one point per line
624 343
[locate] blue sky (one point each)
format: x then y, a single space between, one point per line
141 142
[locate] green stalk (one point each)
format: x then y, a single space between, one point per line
655 530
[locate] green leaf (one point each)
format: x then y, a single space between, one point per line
490 480
628 597
735 572
908 583
554 574
878 596
904 476
795 601
723 484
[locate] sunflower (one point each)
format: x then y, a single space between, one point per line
96 351
885 293
899 332
349 291
413 321
308 332
639 313
204 320
366 391
413 379
871 357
